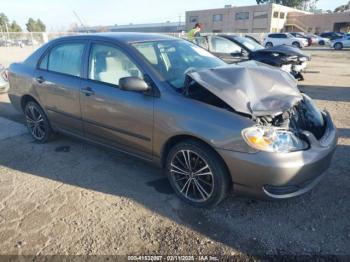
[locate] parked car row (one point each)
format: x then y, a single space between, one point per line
20 42
235 49
213 127
276 39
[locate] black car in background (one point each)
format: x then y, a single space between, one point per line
235 49
331 35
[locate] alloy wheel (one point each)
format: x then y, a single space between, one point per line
35 122
192 176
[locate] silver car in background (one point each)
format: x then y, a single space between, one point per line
211 126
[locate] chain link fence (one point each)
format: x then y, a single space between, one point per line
36 39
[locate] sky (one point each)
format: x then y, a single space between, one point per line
58 14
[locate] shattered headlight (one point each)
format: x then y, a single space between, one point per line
271 139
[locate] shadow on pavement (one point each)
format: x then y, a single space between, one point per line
250 226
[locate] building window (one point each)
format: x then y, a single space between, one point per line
260 15
217 18
242 16
193 19
275 14
282 15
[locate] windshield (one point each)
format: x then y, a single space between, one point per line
173 59
249 43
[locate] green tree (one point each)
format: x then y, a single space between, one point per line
35 26
14 27
31 25
342 8
40 25
4 21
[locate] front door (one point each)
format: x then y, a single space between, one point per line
115 117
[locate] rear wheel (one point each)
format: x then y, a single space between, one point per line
269 45
197 174
322 42
37 123
338 46
296 44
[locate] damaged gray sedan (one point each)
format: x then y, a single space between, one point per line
212 127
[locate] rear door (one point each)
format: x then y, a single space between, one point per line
112 116
225 49
58 83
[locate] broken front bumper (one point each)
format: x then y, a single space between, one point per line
282 175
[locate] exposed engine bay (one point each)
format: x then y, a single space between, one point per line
276 103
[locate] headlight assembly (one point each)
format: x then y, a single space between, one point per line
271 139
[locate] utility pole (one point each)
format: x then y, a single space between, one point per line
7 31
80 21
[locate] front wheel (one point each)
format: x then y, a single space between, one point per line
197 174
338 46
37 123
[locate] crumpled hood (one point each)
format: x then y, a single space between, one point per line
251 87
286 50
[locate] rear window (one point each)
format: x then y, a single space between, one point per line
64 59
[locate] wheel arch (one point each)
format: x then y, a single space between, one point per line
26 98
171 142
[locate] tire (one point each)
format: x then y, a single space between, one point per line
37 122
205 190
296 44
321 42
338 46
268 45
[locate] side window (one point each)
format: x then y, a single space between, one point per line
65 59
202 42
148 51
108 64
222 45
272 36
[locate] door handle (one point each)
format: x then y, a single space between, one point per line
88 91
40 79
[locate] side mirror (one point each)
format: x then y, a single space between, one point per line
132 83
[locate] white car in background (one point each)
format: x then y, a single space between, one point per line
318 40
276 39
340 43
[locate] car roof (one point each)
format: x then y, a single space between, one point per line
125 37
